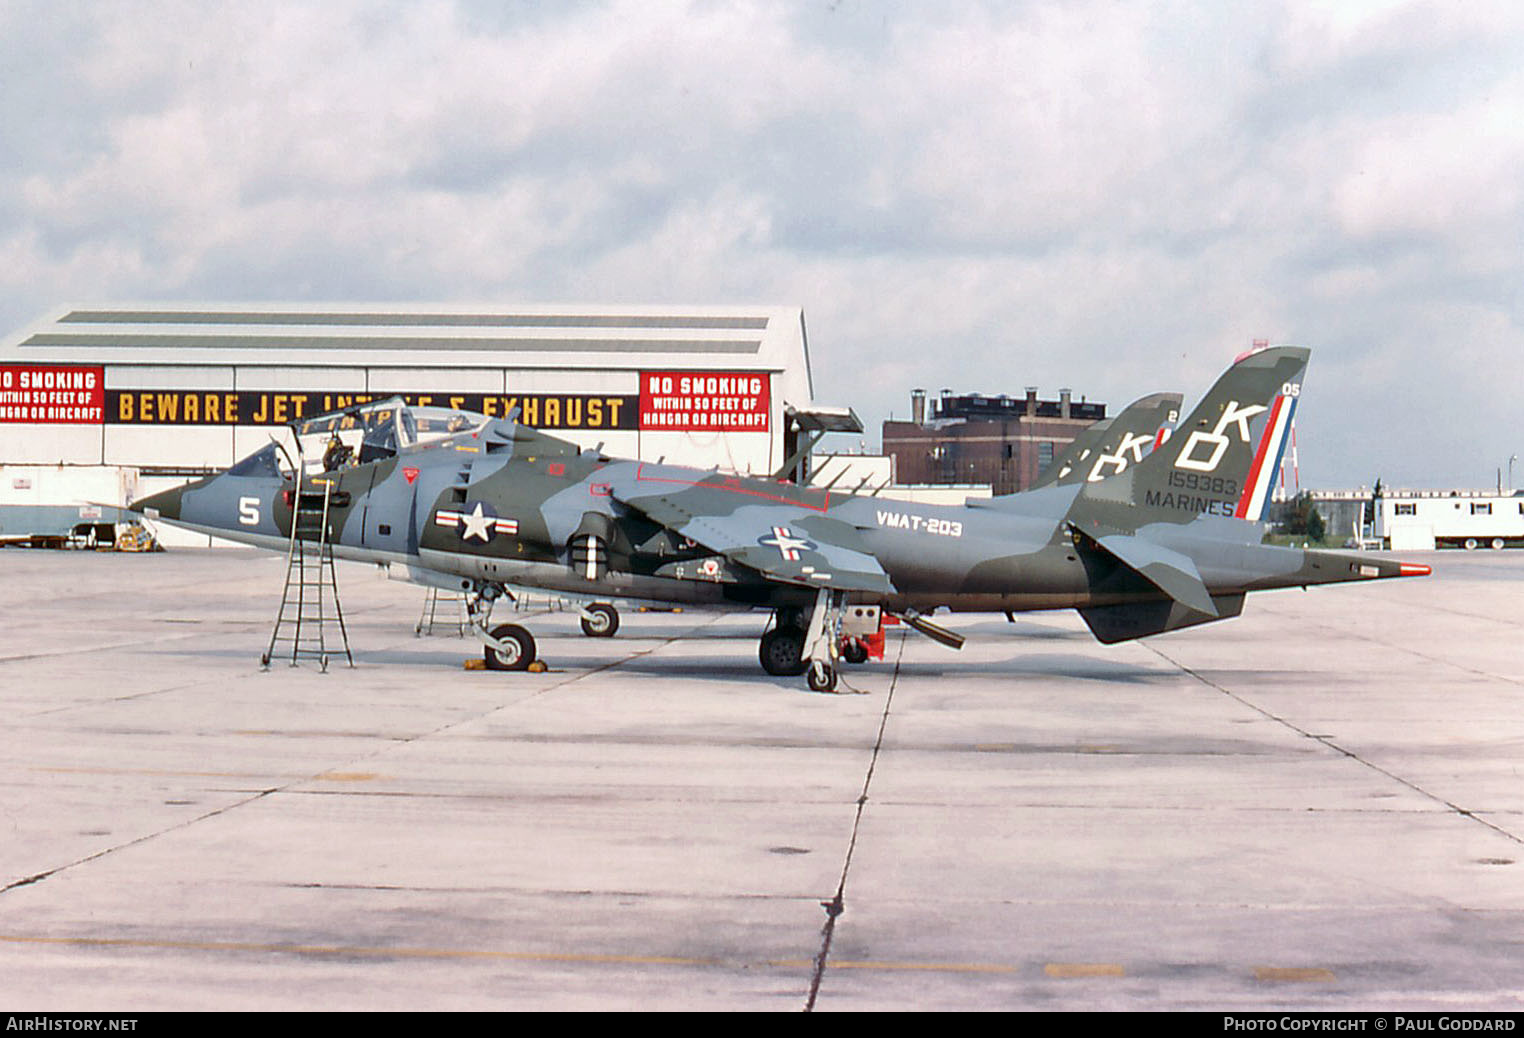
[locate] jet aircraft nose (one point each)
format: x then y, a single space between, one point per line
163 505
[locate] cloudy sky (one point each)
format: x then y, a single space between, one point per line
1116 197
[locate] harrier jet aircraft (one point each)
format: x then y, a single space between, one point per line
1170 542
1107 447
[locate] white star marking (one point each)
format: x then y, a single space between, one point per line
478 526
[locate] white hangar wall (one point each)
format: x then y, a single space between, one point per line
171 392
196 387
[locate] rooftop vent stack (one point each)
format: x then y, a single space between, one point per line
918 406
1063 403
1031 401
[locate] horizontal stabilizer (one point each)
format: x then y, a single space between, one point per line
1120 623
1171 572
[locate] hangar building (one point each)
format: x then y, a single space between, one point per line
172 392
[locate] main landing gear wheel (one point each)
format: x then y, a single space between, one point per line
854 651
781 650
822 677
517 652
601 621
1471 544
1497 544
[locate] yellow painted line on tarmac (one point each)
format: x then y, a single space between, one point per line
154 772
354 950
327 776
1293 975
1080 970
926 967
464 954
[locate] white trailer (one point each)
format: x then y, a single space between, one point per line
1422 520
61 504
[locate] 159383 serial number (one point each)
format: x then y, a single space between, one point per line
1203 483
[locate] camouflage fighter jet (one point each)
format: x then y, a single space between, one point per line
1170 542
1107 447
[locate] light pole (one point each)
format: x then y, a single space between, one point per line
1511 459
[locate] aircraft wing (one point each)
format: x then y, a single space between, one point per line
790 542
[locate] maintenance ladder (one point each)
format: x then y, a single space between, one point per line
303 620
451 601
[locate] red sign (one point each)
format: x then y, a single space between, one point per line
52 394
704 401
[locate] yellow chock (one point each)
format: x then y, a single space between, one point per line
538 667
475 663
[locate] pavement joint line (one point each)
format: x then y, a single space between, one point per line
93 703
1430 607
569 679
1355 632
261 794
837 905
1328 741
136 643
573 678
144 838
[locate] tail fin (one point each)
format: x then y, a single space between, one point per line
1223 460
1108 447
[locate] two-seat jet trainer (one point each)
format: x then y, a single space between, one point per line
1169 542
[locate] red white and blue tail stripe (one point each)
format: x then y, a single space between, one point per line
1266 467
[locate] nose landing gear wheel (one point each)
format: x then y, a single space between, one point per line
517 651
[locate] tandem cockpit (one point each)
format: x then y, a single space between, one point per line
358 435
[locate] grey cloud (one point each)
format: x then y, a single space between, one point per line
1110 196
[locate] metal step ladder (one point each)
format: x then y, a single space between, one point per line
431 607
311 584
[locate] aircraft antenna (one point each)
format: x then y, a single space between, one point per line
1291 459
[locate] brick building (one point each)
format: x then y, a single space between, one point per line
1001 441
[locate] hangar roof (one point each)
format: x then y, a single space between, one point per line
387 335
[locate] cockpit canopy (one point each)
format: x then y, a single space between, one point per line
358 435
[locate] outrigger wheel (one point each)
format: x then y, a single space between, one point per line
517 651
601 620
822 676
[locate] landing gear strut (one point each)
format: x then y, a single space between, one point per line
822 642
793 647
815 642
514 650
506 646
